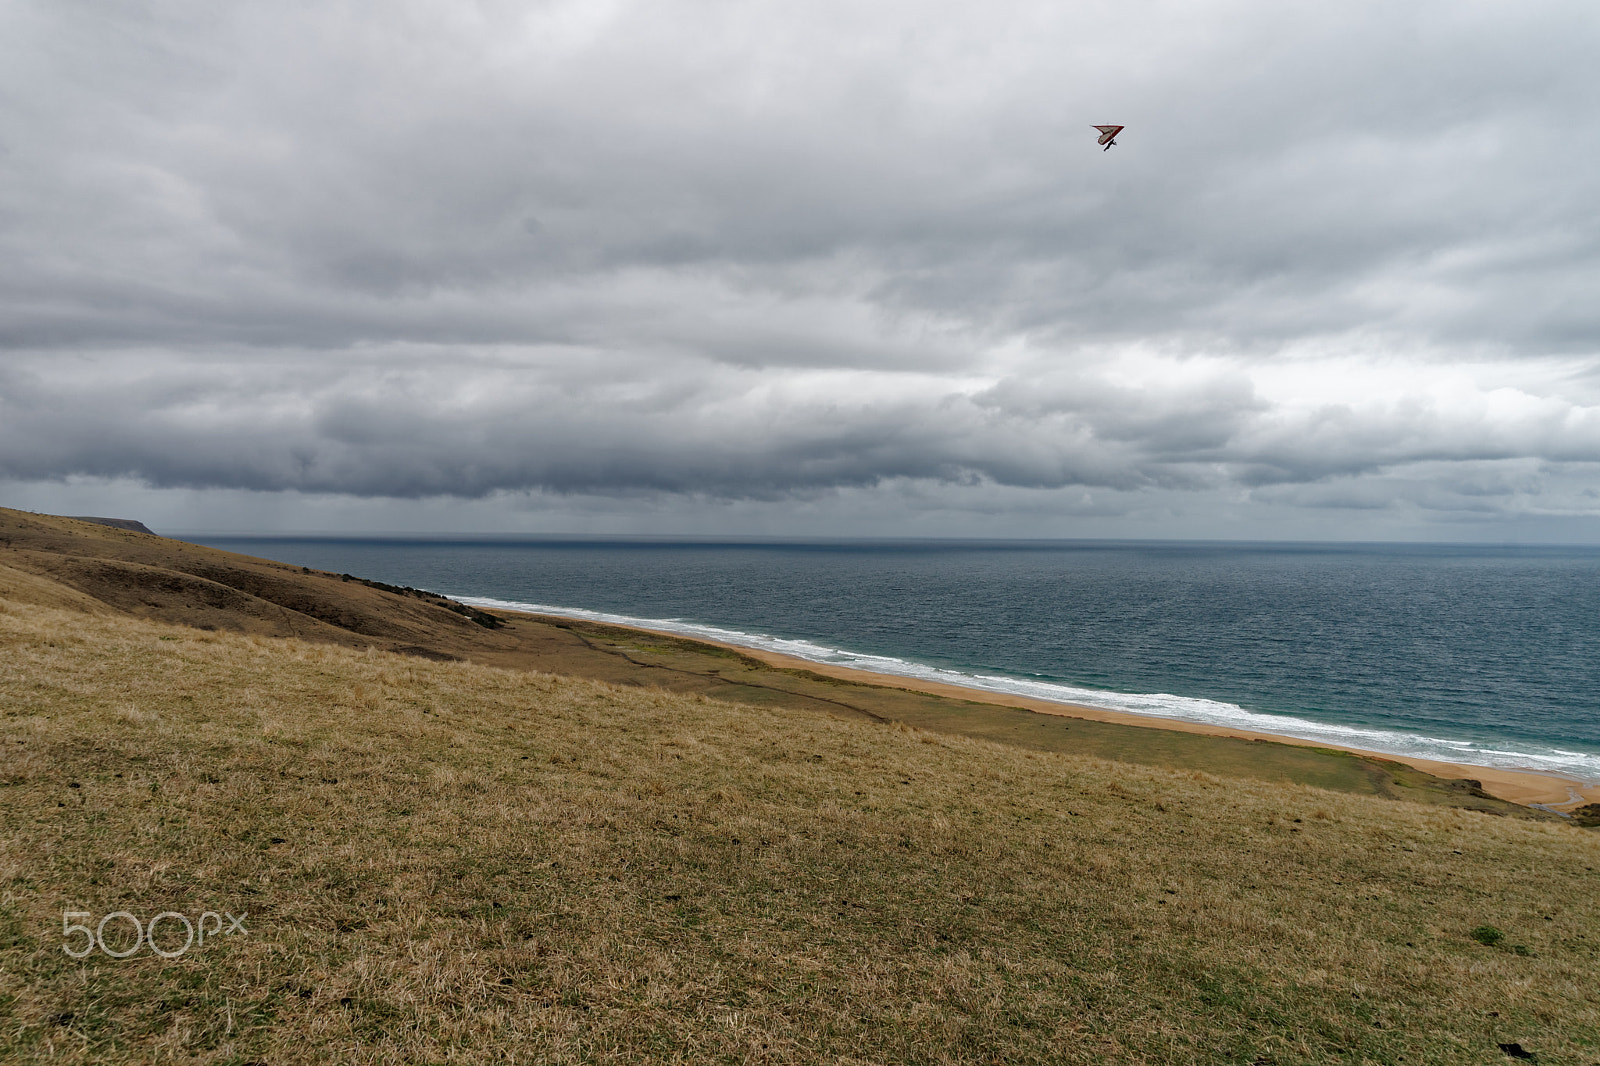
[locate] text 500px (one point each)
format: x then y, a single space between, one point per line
128 934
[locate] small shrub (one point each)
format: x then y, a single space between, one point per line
1488 935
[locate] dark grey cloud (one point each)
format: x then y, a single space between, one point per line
765 252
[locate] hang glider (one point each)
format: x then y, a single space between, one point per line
1108 136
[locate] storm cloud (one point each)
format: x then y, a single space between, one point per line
1343 259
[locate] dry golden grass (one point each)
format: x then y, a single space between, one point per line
444 862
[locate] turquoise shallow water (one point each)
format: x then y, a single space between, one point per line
1489 655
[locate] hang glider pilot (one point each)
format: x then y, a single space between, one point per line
1108 136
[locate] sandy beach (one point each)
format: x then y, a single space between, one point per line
1526 787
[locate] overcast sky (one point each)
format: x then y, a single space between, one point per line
820 268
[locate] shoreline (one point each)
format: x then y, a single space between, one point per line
1526 787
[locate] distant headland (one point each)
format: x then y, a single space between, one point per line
117 523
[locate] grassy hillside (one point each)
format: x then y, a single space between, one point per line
53 561
447 861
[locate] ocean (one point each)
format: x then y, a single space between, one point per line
1481 654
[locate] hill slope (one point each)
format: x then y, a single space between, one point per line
146 576
447 861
